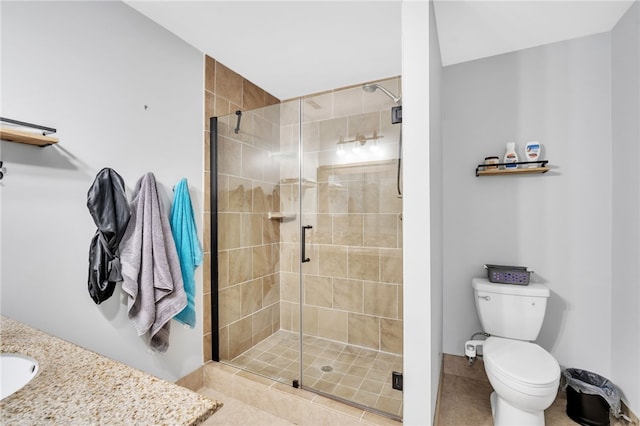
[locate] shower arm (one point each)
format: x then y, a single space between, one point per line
372 87
396 99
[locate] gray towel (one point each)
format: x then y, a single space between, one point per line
150 266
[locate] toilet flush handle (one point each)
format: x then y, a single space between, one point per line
487 298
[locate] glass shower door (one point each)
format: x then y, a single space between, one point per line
308 247
255 162
351 239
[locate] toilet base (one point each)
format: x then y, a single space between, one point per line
504 414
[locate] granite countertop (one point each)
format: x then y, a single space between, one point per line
77 386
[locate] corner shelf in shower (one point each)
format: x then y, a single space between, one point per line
483 169
280 216
306 183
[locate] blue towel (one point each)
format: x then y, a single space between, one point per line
189 249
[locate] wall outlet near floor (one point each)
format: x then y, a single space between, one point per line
396 380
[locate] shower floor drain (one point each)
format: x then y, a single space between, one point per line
326 368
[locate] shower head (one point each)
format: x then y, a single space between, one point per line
372 87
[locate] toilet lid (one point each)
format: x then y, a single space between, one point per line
522 361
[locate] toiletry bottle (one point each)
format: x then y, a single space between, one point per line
510 156
491 160
532 153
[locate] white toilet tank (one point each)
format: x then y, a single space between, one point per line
511 311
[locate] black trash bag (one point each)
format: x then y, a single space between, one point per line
594 384
107 203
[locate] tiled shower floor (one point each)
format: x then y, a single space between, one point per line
349 372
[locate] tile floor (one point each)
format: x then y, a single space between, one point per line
250 399
349 372
464 398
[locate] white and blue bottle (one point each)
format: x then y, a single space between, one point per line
532 153
510 156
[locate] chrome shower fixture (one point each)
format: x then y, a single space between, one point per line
372 87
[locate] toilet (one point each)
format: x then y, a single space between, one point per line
524 376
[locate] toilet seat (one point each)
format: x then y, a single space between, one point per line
523 366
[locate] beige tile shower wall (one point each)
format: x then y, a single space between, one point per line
352 288
247 242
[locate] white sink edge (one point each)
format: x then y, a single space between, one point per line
16 371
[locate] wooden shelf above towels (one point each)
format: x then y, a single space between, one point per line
7 134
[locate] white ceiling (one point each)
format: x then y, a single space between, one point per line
290 48
294 48
474 29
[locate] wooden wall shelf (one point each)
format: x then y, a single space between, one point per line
512 171
30 138
523 168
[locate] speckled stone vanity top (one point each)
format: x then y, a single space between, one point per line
78 387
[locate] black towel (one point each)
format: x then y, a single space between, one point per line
108 206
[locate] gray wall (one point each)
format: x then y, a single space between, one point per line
88 69
558 223
625 277
576 226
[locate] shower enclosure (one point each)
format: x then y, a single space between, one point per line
309 244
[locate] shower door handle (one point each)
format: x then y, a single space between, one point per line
303 257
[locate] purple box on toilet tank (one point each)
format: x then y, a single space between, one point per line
501 274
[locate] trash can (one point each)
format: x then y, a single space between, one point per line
590 397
